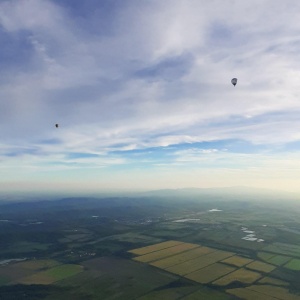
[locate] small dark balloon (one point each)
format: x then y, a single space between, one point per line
56 125
234 81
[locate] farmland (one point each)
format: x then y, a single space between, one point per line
137 250
210 267
293 264
241 275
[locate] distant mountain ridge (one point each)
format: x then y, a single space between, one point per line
235 191
195 194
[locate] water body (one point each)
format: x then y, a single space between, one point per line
186 220
7 261
214 209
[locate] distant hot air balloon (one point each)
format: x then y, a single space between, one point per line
234 81
56 125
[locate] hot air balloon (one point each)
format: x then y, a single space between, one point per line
234 81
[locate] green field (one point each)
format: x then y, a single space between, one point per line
293 264
169 293
207 294
64 271
278 260
52 275
283 248
276 292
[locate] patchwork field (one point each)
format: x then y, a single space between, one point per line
273 281
276 292
247 294
237 261
285 249
199 262
156 247
209 265
241 275
274 259
260 266
210 273
182 257
156 255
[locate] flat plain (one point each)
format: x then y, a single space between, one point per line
68 253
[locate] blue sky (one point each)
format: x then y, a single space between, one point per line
142 93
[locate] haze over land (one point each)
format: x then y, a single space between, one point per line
170 244
142 95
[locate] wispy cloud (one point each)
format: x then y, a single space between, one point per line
146 84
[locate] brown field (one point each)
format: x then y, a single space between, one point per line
240 275
260 266
37 264
273 281
38 278
210 273
166 252
156 247
249 294
237 261
182 257
199 262
9 274
274 291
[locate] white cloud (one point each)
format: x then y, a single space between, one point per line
160 75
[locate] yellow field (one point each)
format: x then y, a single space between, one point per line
260 266
199 262
156 247
166 252
273 281
249 294
210 273
273 291
37 264
237 261
240 275
182 257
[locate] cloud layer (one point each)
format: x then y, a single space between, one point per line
145 85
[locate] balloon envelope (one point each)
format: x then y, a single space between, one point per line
234 81
56 125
